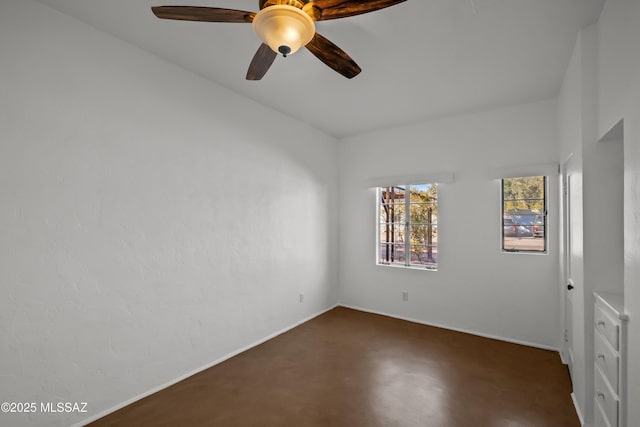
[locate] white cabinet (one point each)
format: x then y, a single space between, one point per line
610 326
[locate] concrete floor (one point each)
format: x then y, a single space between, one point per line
349 368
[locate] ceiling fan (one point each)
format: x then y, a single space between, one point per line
284 26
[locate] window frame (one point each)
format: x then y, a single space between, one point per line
407 228
544 214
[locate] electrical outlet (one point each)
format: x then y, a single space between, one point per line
301 297
405 296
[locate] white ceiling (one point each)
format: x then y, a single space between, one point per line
420 59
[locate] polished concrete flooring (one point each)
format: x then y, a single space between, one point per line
349 368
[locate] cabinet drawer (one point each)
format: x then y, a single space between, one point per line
600 418
606 398
607 359
608 326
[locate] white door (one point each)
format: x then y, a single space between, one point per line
571 202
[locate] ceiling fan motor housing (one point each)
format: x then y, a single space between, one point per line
284 28
294 3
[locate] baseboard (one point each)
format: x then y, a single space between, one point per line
562 358
195 371
578 411
466 331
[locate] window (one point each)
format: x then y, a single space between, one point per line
408 240
524 214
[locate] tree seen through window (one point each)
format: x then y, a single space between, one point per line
408 240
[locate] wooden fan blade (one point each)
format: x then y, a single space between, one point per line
261 62
205 14
333 56
334 9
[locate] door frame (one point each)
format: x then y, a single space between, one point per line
566 352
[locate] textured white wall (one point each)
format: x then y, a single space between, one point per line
477 288
150 222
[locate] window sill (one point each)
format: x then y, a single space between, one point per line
407 267
524 252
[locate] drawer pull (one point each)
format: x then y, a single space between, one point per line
600 356
601 323
600 395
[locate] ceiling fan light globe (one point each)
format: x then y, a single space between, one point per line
283 25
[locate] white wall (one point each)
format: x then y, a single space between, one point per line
601 89
151 222
619 99
618 61
603 164
477 288
570 122
597 250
